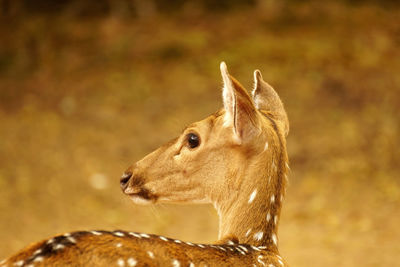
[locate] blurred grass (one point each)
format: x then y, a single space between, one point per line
83 98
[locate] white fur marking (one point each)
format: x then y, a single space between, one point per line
248 232
276 219
71 239
145 235
121 262
266 146
280 262
120 234
255 248
259 259
273 199
176 263
191 264
244 248
95 233
258 236
221 248
241 251
38 259
268 216
132 262
134 234
163 238
118 245
200 245
252 196
58 246
177 241
190 244
50 241
151 254
275 239
19 263
230 242
37 252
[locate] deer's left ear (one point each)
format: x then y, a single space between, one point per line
240 112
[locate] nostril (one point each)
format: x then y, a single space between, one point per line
125 179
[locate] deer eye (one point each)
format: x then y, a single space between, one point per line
193 140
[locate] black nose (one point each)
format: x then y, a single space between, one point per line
123 182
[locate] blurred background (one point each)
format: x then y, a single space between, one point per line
89 87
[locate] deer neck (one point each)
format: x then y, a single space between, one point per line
251 213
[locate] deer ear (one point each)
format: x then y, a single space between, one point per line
265 98
240 112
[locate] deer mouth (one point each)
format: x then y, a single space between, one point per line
141 195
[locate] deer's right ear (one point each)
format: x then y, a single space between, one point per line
240 111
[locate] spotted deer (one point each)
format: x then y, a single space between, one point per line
235 159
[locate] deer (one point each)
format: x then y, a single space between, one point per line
235 159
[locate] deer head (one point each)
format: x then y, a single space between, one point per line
226 159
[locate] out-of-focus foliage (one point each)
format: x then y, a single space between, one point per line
88 87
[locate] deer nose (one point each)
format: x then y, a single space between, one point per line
124 181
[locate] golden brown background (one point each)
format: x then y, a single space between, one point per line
89 87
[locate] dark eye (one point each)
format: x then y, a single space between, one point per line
193 140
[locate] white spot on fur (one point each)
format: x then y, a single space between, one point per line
177 241
222 248
191 264
255 248
95 233
176 263
271 265
190 244
230 242
258 236
276 219
120 234
131 262
272 199
200 245
274 239
19 263
244 248
280 262
50 241
145 235
118 245
37 252
58 246
240 251
260 260
268 216
134 234
38 259
163 238
248 232
266 146
121 262
287 165
71 239
151 254
252 196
